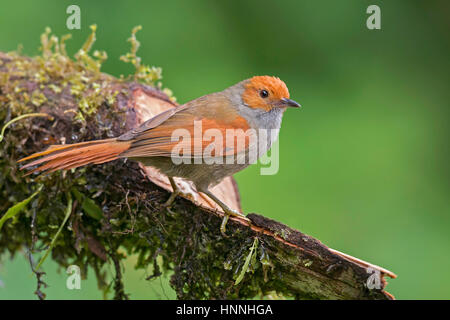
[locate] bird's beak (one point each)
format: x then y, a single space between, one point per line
285 102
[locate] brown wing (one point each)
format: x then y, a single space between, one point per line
191 128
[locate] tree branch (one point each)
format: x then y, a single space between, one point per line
86 104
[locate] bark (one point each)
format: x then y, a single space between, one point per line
117 207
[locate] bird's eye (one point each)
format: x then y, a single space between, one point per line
263 93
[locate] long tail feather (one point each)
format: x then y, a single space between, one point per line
63 157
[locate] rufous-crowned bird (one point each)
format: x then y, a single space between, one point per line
252 105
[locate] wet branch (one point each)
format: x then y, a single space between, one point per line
260 258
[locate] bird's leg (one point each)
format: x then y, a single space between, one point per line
175 193
228 211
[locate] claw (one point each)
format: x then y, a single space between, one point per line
223 225
171 199
175 193
228 211
173 214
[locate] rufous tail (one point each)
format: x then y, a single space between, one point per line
64 157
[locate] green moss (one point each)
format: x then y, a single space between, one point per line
144 73
115 217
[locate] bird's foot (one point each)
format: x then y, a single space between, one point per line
227 210
173 196
171 199
228 213
176 191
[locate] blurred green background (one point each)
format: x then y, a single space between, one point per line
363 166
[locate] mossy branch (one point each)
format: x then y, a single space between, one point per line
119 209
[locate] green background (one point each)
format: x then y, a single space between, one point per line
363 166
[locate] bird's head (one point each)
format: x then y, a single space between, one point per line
266 93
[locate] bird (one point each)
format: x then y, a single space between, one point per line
184 141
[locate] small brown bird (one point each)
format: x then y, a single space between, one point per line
243 110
